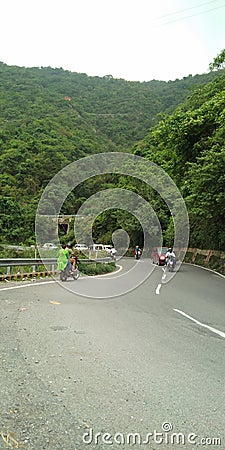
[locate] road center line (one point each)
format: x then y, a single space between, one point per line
213 330
158 289
164 273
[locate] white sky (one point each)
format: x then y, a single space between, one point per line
131 39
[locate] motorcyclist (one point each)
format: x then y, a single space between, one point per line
113 253
73 260
65 262
137 252
63 257
170 254
70 251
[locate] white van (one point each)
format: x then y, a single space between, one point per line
81 247
96 247
108 248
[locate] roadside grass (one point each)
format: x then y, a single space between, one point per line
97 268
188 257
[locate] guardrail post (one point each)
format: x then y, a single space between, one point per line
208 256
8 270
33 269
194 255
53 267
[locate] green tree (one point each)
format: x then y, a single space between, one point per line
219 61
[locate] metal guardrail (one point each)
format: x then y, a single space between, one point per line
35 262
26 261
31 262
207 253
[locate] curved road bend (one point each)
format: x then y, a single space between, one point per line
152 359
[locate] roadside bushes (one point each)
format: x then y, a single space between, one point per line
188 257
96 268
218 264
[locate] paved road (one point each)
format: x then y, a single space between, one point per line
147 360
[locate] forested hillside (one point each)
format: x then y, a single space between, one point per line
51 117
120 109
190 146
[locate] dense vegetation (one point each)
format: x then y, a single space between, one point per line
189 145
51 117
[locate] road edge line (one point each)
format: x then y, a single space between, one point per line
27 285
205 268
208 327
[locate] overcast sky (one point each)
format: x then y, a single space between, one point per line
131 39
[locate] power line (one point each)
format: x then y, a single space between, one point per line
186 9
193 15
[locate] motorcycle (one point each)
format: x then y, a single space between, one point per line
171 263
137 254
113 256
68 272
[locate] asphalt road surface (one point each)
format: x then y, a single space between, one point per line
126 372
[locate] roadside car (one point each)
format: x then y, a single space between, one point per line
49 246
97 247
81 247
159 255
108 248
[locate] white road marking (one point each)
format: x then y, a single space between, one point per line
158 289
206 268
58 281
107 274
213 330
26 285
164 273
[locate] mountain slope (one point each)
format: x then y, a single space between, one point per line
51 117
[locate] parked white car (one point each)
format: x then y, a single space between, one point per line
49 246
108 248
97 247
81 247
